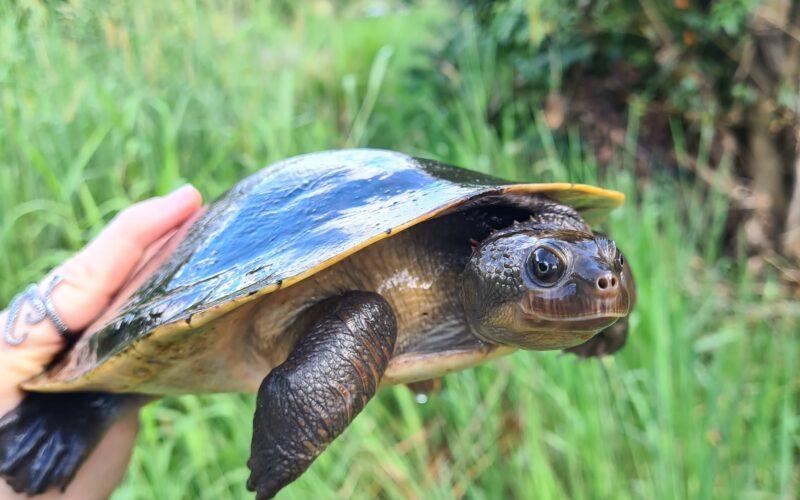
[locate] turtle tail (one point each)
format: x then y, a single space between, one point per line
46 438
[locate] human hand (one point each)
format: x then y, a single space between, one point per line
90 280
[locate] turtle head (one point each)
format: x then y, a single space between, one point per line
545 288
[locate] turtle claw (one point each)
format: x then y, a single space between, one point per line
263 485
45 439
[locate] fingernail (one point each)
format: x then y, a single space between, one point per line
188 194
182 189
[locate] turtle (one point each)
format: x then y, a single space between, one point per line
316 281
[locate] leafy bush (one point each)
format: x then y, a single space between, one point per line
716 78
685 53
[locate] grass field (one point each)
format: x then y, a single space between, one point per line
105 103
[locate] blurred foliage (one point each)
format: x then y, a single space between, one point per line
684 54
689 73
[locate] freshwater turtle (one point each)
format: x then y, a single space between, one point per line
317 280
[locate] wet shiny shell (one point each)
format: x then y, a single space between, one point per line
283 224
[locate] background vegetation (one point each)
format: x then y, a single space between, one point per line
105 103
722 77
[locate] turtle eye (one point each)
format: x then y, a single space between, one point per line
545 266
620 260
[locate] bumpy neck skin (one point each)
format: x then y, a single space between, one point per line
554 216
546 215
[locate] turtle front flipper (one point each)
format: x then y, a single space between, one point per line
46 438
333 371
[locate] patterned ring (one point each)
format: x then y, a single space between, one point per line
42 309
62 328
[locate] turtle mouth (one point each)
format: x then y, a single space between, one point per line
590 314
585 316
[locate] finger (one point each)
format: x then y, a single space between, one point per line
105 467
153 250
91 278
93 275
114 253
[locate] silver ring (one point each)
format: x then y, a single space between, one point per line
42 309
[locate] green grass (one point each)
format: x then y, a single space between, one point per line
104 103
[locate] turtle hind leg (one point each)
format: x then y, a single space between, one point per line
331 374
46 438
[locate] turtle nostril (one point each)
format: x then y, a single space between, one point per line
607 282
